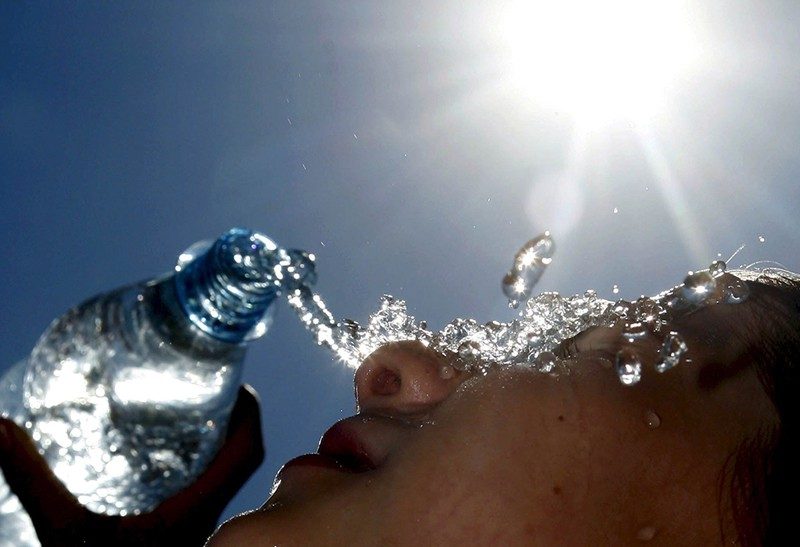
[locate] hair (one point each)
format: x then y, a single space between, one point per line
764 472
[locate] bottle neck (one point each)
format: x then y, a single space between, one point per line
228 291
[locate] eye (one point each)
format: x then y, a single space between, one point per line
600 341
568 349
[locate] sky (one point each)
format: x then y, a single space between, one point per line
396 142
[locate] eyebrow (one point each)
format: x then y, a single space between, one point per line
737 329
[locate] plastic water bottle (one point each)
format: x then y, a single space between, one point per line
128 394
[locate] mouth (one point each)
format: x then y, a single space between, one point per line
345 445
344 448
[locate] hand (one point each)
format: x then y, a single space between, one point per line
187 518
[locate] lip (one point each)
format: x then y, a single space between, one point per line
352 446
356 444
346 444
312 460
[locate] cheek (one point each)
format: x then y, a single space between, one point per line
450 493
484 474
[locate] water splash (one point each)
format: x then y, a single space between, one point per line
533 338
530 263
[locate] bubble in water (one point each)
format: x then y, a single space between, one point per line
646 534
652 419
717 268
628 366
671 352
736 291
615 289
529 265
698 287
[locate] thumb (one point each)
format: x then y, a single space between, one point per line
45 498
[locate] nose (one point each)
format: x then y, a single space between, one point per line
404 378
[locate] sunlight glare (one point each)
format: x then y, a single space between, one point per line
599 60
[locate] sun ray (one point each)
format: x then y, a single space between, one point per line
672 191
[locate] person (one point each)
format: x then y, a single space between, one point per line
703 454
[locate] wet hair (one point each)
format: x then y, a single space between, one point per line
764 472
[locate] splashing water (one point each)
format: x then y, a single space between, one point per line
543 323
529 265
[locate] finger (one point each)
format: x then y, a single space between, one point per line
237 459
246 412
48 502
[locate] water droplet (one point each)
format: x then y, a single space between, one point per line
529 265
652 419
634 330
698 287
546 361
615 210
446 372
628 366
646 534
761 239
301 268
671 352
717 268
622 308
736 291
615 289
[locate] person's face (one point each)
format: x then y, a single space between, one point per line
517 457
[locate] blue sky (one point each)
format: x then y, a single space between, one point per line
379 136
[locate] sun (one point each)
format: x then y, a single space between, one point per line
599 61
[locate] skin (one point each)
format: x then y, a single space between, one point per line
518 457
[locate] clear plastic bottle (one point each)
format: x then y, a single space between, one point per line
128 394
